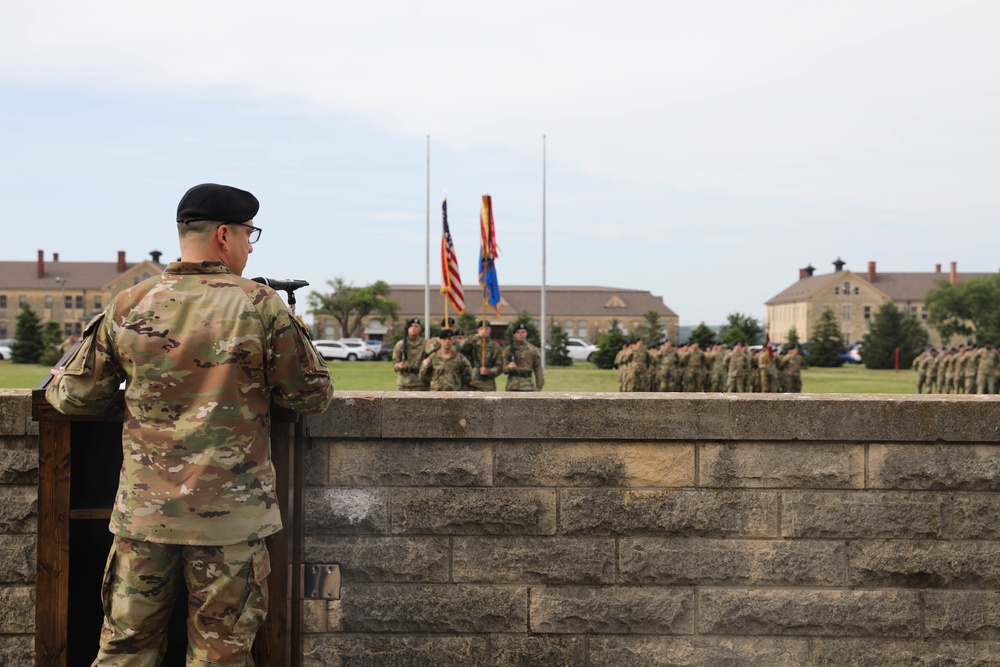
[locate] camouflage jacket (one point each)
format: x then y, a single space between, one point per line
473 351
409 351
203 353
451 374
528 360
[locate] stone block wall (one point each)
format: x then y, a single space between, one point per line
590 530
593 530
18 528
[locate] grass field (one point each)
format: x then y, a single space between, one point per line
584 377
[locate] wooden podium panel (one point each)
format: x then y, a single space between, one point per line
79 463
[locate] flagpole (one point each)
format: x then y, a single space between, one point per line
543 253
427 261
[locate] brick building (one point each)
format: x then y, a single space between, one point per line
854 298
584 312
70 293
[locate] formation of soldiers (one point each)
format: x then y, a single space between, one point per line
967 369
450 362
688 368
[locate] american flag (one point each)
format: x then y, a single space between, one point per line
451 281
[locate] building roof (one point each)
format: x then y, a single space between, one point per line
896 286
78 275
560 301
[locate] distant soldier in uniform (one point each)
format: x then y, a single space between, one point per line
949 371
486 359
522 360
969 369
639 367
694 370
667 374
793 371
737 366
447 369
204 352
942 371
930 371
407 356
986 370
920 368
434 342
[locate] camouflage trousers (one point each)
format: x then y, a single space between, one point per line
227 601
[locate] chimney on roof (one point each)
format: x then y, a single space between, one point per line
121 261
954 274
937 268
41 263
872 276
55 257
802 274
155 254
839 265
807 272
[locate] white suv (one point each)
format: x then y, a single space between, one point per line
580 350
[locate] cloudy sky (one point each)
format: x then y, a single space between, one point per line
703 151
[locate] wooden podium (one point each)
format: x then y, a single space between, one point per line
79 462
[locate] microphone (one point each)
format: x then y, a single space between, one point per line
288 285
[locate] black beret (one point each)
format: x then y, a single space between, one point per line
222 203
415 320
520 327
450 322
459 332
446 333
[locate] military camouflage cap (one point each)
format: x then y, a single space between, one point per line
223 203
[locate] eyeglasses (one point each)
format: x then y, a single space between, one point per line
254 232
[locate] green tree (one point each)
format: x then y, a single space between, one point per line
651 331
52 337
469 322
558 347
609 344
28 346
703 335
349 305
972 308
740 328
827 342
793 338
890 329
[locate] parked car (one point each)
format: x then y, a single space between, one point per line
580 350
335 349
5 351
362 348
384 351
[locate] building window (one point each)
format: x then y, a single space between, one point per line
97 303
913 311
3 329
22 300
836 291
79 302
581 328
3 300
855 290
68 302
923 312
847 312
48 301
868 312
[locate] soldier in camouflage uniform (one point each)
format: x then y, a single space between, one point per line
930 371
986 370
942 371
407 356
203 353
969 369
667 373
446 369
522 359
920 368
486 359
639 367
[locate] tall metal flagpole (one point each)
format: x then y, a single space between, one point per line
544 324
427 260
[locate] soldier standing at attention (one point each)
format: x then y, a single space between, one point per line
486 359
986 370
523 359
446 369
920 367
969 369
407 356
942 372
203 352
930 371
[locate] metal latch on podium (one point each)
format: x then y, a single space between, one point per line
320 581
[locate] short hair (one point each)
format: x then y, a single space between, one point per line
198 227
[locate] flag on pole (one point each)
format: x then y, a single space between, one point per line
451 281
488 252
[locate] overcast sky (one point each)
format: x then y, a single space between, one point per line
703 151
